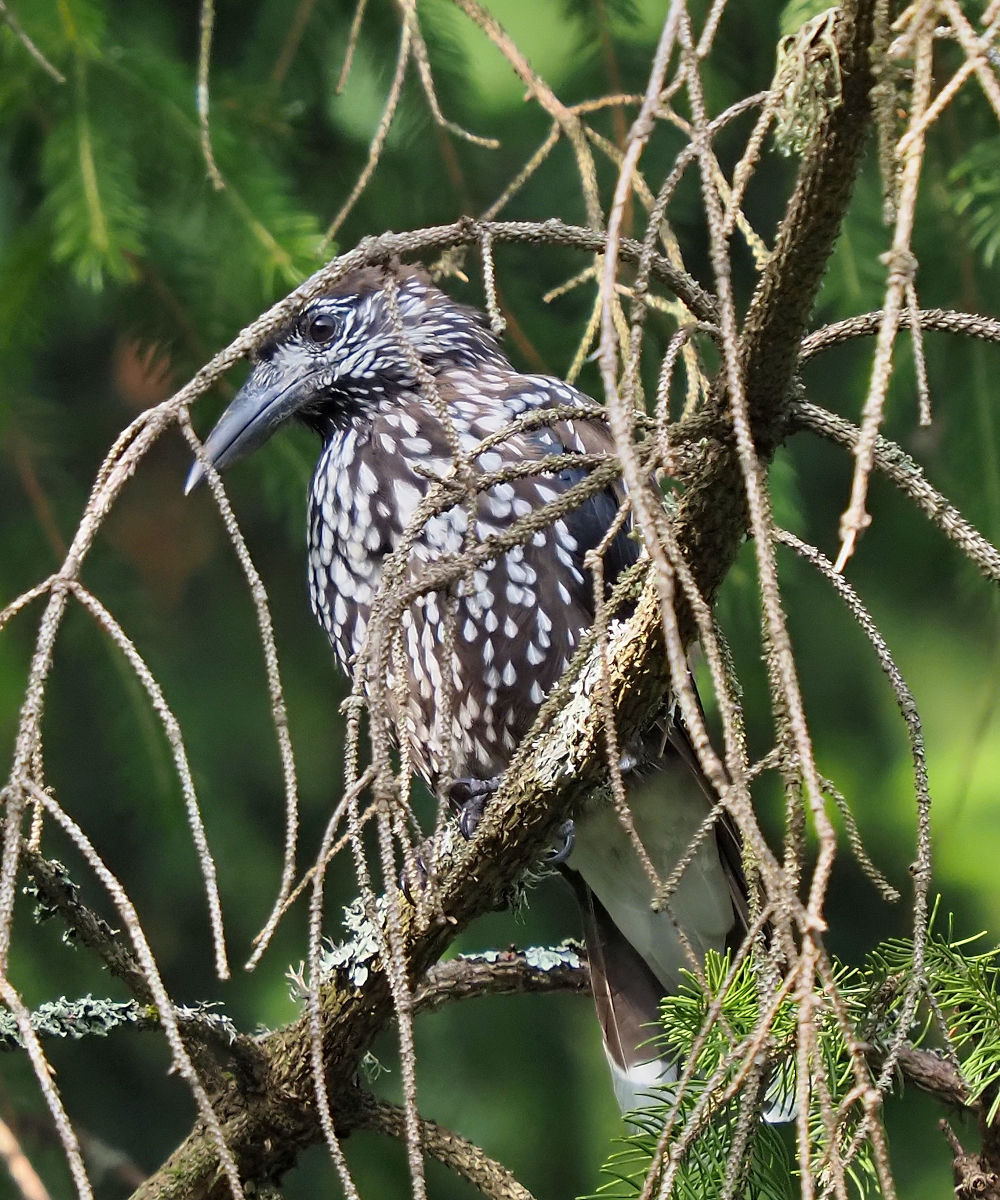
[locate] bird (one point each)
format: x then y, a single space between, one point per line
399 381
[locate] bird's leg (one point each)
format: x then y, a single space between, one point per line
468 797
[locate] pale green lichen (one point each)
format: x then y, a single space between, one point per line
91 1016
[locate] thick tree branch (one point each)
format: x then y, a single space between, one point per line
504 973
713 510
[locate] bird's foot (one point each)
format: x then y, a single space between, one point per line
469 797
564 847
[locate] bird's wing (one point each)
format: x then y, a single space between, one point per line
727 836
587 435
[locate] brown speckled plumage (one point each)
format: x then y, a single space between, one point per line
345 370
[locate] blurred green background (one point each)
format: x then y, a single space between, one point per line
122 270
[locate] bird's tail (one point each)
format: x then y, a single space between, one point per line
638 955
627 996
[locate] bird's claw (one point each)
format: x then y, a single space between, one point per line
470 816
560 852
405 877
469 797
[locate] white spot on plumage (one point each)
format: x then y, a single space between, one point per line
367 480
407 497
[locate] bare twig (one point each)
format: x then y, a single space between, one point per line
289 47
18 31
206 26
279 713
182 1059
381 133
24 1175
902 269
44 1075
896 465
454 1151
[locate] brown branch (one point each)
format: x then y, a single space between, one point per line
290 46
976 1176
973 325
454 1151
23 1174
209 1045
18 31
893 462
56 891
500 973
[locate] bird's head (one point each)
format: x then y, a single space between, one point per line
345 354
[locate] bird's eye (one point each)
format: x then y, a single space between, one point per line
321 328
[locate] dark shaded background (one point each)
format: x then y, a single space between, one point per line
106 304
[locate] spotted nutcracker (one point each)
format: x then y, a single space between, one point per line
343 369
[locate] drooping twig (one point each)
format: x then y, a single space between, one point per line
296 28
921 870
902 267
567 120
24 1175
165 1008
276 695
454 1151
18 31
44 1075
893 462
174 736
423 63
381 133
352 45
205 30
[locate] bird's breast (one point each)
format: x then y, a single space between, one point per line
479 654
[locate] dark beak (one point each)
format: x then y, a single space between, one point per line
256 411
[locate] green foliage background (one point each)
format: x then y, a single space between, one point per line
113 242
